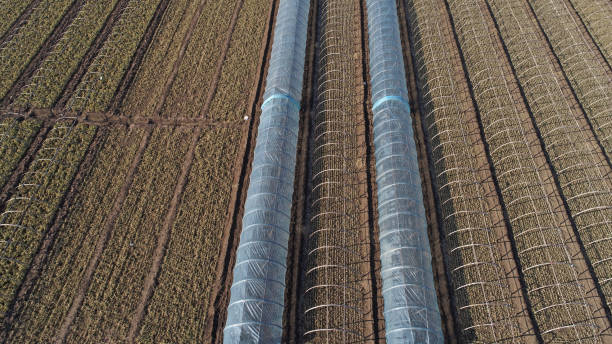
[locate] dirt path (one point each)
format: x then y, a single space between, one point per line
102 240
23 17
143 47
40 259
43 52
91 54
375 283
106 119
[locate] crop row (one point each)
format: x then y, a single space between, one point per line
582 64
583 173
240 67
118 52
596 15
486 312
559 301
15 138
117 283
197 70
49 80
35 203
98 86
10 10
17 53
177 310
336 267
51 296
148 87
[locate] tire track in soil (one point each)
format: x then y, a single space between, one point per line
431 201
102 240
292 316
583 256
160 250
91 54
143 47
8 188
45 49
179 58
23 17
40 259
219 296
375 283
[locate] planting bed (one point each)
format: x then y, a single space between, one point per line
127 133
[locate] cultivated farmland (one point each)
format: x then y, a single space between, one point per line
127 135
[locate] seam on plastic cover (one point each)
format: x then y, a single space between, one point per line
281 96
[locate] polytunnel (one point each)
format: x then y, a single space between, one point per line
256 304
410 304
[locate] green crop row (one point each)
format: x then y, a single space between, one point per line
43 312
485 310
148 87
596 15
117 283
49 80
35 206
539 231
196 72
240 66
15 140
581 168
98 86
582 64
177 310
17 53
10 10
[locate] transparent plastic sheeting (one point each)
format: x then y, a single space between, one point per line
410 304
255 310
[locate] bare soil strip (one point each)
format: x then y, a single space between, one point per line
22 167
19 21
143 47
292 317
103 119
375 282
43 52
179 59
40 259
102 240
89 57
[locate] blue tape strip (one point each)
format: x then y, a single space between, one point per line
387 98
281 96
